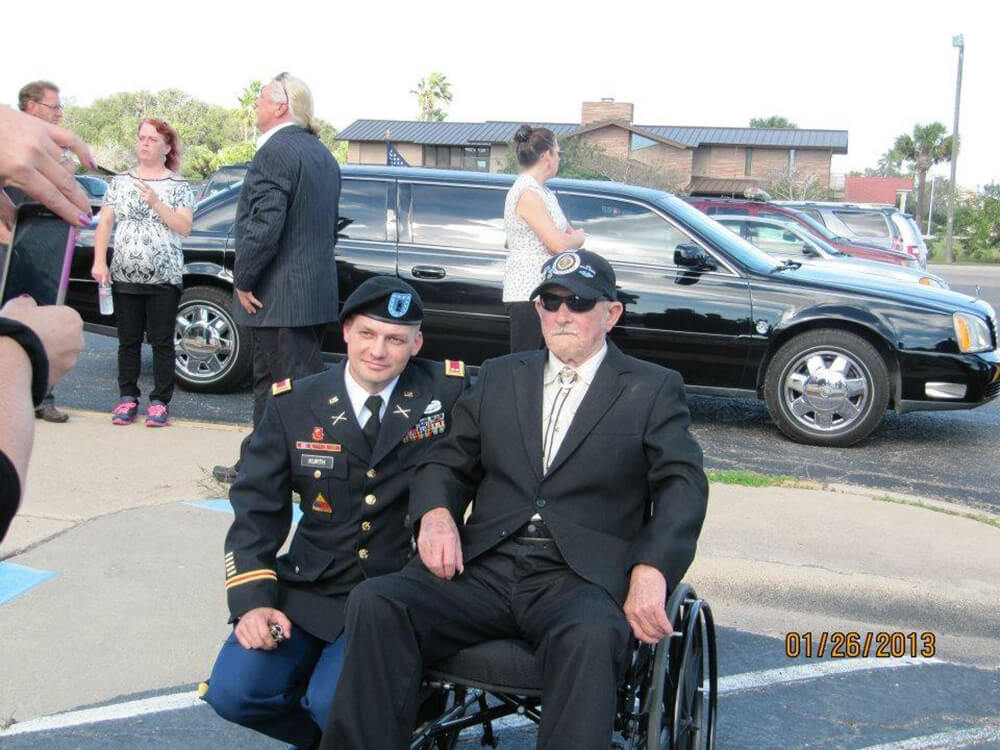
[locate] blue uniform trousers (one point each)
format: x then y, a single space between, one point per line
285 693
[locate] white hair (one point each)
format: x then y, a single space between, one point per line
300 103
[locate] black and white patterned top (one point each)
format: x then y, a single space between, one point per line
146 251
526 251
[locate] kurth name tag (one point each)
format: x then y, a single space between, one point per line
328 447
316 462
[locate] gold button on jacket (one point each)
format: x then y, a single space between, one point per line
370 500
366 526
363 553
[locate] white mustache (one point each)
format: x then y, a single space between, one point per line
564 332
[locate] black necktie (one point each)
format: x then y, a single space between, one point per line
374 404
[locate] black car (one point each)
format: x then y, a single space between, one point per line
829 353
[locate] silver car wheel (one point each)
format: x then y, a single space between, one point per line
827 390
205 342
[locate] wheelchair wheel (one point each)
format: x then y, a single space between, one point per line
681 707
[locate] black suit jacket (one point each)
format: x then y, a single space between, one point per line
285 232
352 498
625 487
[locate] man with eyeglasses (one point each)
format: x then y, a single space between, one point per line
285 275
41 99
588 496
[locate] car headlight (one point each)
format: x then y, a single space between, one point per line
972 333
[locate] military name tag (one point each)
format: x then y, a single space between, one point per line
316 462
328 447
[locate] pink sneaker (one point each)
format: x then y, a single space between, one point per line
125 411
156 415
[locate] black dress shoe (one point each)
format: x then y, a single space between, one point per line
50 413
224 474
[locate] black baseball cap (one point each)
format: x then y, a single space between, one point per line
582 272
385 298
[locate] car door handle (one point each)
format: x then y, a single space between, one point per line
428 272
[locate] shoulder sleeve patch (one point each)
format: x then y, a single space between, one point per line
282 386
455 368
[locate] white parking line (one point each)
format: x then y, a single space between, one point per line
114 712
727 685
739 683
958 738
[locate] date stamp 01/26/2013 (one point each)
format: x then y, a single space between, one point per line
855 645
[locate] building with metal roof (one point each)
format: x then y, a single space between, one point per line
705 160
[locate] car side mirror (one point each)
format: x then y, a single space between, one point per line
692 256
809 251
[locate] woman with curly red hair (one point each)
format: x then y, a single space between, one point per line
153 207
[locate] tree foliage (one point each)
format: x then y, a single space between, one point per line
211 135
774 121
431 93
926 146
979 222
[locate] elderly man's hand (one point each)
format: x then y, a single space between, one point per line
254 628
250 303
439 543
645 606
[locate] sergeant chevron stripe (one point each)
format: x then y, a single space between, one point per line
263 574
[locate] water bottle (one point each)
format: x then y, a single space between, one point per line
104 298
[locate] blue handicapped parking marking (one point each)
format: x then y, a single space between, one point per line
223 506
18 579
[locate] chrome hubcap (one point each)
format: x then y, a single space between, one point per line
204 341
827 390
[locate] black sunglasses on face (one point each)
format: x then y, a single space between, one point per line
574 302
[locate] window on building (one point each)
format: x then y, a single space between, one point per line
471 158
461 217
640 142
748 162
363 202
623 232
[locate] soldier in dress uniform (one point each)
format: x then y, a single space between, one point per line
346 440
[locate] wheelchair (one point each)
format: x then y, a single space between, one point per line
667 700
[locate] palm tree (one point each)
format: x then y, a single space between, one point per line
430 92
890 164
248 109
926 147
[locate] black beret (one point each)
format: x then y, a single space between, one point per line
385 298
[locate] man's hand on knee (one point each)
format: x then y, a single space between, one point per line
645 606
254 628
439 543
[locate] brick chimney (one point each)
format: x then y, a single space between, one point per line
606 109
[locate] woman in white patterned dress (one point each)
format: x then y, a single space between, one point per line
536 230
153 207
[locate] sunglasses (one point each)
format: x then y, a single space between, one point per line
574 302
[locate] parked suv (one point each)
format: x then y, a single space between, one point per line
767 210
223 178
827 355
881 225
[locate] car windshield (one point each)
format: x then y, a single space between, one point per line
816 226
717 235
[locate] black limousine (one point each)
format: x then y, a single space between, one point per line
829 351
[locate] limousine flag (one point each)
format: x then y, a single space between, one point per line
392 157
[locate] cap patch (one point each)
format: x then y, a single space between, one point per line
565 263
399 304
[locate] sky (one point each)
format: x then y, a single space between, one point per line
872 68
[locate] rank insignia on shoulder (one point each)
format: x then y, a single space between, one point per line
282 386
455 368
320 505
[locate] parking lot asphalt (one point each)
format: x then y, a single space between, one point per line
123 529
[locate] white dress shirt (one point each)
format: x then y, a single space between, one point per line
265 137
550 392
359 395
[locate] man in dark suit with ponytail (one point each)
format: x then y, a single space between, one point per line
285 272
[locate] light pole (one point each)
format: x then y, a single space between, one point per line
956 41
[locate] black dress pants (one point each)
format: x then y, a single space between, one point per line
280 353
152 314
397 624
525 327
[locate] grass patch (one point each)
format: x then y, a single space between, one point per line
753 479
979 517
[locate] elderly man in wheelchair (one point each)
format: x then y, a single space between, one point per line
588 499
